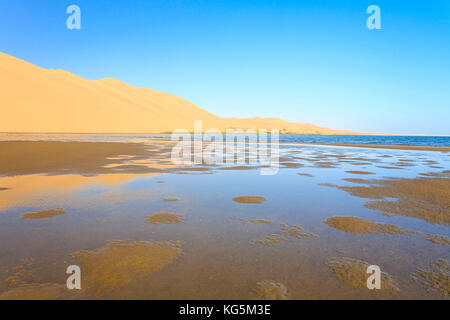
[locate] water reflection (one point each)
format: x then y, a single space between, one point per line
217 251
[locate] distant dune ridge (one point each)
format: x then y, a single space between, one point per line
56 101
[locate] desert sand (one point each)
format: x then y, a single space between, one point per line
34 99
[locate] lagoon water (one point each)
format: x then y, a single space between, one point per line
218 250
430 141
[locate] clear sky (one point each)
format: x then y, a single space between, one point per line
309 61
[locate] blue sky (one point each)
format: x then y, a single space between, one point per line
306 61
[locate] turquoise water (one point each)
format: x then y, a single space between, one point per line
381 140
431 141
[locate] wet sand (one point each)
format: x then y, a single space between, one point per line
137 238
48 291
44 214
437 277
270 290
24 157
249 199
353 273
164 218
119 263
358 225
424 198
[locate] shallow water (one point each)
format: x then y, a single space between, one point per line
218 259
430 141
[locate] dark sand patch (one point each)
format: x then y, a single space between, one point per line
44 214
436 174
272 240
359 181
307 159
160 181
119 262
23 273
359 172
260 221
437 239
47 291
404 164
4 189
324 166
356 225
270 290
353 273
129 167
328 185
295 231
22 285
360 163
254 221
291 165
249 199
391 167
164 218
28 157
424 198
436 279
170 199
305 174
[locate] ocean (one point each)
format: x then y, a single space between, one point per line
430 141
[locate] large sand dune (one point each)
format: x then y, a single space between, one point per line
56 101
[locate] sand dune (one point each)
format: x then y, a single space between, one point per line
54 101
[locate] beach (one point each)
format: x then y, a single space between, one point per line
205 231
